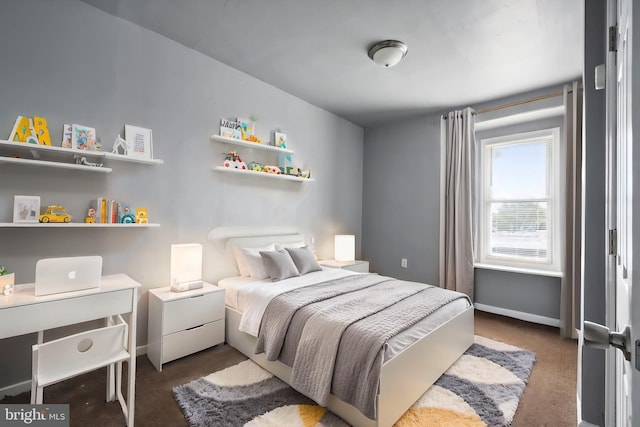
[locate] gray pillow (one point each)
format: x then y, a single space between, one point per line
304 259
279 265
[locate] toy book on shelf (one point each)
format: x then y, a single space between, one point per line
110 211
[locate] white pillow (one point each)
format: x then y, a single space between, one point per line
280 246
241 255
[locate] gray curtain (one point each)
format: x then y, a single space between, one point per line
457 239
572 278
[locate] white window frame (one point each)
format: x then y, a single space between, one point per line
555 202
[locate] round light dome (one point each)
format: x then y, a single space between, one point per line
388 53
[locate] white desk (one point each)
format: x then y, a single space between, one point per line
22 312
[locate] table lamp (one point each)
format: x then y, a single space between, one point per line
345 247
186 267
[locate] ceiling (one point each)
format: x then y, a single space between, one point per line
461 52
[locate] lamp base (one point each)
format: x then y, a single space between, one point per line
187 286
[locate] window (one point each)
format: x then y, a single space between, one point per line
518 203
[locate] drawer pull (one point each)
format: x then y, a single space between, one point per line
195 327
196 296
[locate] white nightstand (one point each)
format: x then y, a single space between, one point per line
357 265
182 323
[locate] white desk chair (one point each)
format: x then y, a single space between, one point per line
67 357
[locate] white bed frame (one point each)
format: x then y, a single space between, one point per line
403 379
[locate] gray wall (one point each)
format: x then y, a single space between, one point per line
401 196
401 210
594 297
72 63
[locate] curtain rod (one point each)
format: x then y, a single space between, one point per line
513 104
524 101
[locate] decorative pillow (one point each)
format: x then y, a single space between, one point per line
279 265
245 256
304 259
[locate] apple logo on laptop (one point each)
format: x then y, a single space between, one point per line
72 275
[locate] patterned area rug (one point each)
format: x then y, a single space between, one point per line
482 388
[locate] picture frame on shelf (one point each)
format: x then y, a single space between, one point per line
84 138
66 136
140 140
26 209
280 140
230 133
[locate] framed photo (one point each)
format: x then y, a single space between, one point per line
84 138
281 140
26 208
141 141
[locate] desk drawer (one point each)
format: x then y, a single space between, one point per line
197 310
186 342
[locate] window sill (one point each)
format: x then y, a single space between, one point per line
520 270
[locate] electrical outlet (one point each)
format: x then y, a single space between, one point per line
403 263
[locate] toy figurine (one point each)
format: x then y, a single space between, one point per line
81 160
126 217
141 216
91 216
121 144
233 160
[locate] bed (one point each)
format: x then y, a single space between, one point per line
412 360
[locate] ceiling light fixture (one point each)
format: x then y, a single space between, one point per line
388 53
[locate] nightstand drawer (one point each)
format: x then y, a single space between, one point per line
186 342
193 311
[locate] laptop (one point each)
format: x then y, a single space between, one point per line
56 275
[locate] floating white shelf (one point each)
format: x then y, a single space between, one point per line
71 225
249 144
262 174
50 164
132 159
59 157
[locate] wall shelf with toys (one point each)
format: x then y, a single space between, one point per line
60 157
263 174
249 144
73 225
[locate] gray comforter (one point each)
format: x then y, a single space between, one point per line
332 334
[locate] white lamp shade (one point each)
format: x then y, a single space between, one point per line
388 56
345 247
186 263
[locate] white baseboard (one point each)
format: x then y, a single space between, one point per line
141 349
534 318
14 389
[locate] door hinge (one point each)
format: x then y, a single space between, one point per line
613 241
613 38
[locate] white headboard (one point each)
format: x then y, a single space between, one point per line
224 238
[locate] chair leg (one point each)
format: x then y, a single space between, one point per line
33 390
111 395
39 391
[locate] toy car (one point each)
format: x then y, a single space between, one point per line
272 169
257 167
55 213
